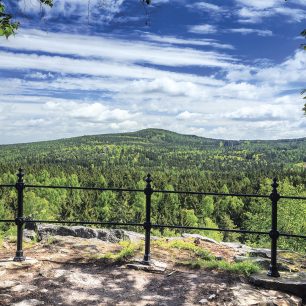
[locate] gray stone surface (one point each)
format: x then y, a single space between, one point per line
31 302
289 282
197 236
135 237
5 285
259 252
5 298
241 249
29 235
10 264
248 296
109 235
154 266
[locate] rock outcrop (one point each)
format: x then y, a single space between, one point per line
109 235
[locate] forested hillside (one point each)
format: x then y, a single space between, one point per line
176 162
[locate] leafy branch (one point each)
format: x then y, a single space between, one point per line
7 26
303 33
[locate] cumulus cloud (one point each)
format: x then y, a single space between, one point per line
282 75
166 86
89 112
263 113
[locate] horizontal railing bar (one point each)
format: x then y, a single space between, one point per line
292 235
7 221
213 193
84 188
209 229
82 222
157 191
292 197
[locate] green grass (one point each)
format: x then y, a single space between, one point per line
246 268
127 251
205 260
11 234
185 245
1 240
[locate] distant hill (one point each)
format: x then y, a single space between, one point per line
152 135
155 148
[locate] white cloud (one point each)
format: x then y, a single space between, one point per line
253 11
166 86
259 4
99 113
265 112
207 7
290 71
203 29
118 50
39 75
195 42
186 115
245 31
248 15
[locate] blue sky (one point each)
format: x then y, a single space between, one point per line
228 69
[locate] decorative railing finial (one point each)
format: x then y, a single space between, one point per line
20 175
274 184
148 180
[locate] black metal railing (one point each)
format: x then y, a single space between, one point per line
274 197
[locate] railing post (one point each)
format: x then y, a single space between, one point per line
274 234
19 219
148 225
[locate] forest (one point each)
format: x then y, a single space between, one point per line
176 162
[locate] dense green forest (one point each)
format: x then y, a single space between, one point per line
176 162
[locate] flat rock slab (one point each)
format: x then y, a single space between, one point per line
197 236
109 235
154 266
10 264
31 302
289 282
247 296
5 285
